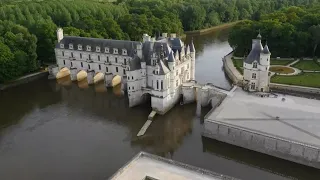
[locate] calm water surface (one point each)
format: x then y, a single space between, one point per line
63 130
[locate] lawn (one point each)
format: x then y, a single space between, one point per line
307 65
306 79
280 62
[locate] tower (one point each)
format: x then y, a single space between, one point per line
193 61
256 67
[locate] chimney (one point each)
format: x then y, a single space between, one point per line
164 35
59 34
173 35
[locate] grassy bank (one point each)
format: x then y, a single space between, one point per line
305 79
214 28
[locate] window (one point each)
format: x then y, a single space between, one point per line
80 56
161 84
129 87
88 48
125 61
64 62
107 58
88 66
267 59
81 64
99 67
71 54
71 64
116 69
177 82
98 49
98 58
157 84
255 65
128 78
254 75
132 77
79 47
124 52
106 69
116 60
115 51
132 87
70 46
61 45
253 85
89 56
62 53
106 50
124 71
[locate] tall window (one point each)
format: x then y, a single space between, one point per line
177 82
80 56
71 54
124 71
255 65
81 64
253 85
106 69
107 58
125 61
116 60
62 53
98 58
64 62
116 69
157 84
99 67
254 75
88 66
161 84
71 64
89 56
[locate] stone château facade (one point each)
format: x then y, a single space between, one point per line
256 67
157 67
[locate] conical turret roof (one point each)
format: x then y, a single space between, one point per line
266 49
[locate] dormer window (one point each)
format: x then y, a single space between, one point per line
88 48
98 49
124 52
115 51
79 47
61 45
255 65
70 46
106 50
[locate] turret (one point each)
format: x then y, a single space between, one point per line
265 56
171 61
193 60
59 34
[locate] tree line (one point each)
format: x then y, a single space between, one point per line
121 19
290 32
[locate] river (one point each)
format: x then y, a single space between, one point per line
63 130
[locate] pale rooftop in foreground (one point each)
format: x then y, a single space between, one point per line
145 166
293 118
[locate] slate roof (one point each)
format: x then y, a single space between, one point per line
163 68
165 46
266 50
254 54
129 46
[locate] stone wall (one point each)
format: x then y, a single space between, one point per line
263 143
300 89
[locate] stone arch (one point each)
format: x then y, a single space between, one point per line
146 99
63 72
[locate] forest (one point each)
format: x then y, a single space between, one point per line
28 27
291 32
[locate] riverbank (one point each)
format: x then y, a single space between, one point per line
214 28
23 80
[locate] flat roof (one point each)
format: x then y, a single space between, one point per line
154 167
296 118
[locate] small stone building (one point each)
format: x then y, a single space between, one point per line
256 67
